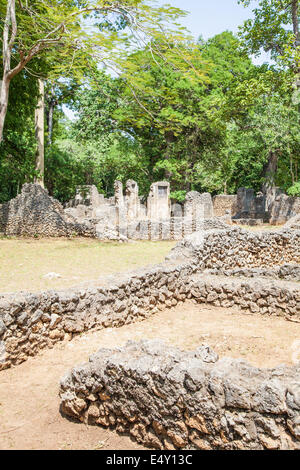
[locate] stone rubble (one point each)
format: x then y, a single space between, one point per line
237 248
293 223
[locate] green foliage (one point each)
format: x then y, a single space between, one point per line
200 115
178 196
294 190
211 129
17 151
70 163
271 30
65 37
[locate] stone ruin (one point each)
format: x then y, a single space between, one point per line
126 215
169 399
155 217
129 216
34 212
248 208
163 397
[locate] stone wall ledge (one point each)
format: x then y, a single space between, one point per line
258 296
289 272
169 399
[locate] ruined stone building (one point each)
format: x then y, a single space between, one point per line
127 215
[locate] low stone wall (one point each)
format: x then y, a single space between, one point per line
290 272
168 399
172 229
248 222
31 322
235 248
262 296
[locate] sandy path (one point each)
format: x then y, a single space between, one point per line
29 403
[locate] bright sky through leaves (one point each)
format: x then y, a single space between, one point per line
208 18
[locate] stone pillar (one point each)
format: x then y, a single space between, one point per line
245 202
158 203
119 198
121 219
132 200
198 206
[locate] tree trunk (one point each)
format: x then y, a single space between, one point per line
270 170
51 103
4 94
10 25
268 187
50 121
225 187
295 19
39 134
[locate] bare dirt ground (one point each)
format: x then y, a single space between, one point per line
29 403
25 262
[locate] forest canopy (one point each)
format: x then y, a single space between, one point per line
149 102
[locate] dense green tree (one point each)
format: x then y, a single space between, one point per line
17 152
182 125
275 29
75 31
198 114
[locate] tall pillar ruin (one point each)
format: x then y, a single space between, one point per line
132 201
158 203
121 219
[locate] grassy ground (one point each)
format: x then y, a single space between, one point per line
25 262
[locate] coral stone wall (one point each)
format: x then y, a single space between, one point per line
223 203
31 322
234 248
293 223
173 229
165 398
290 272
34 212
168 399
282 208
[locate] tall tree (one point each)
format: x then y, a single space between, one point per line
178 121
275 29
75 30
40 134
